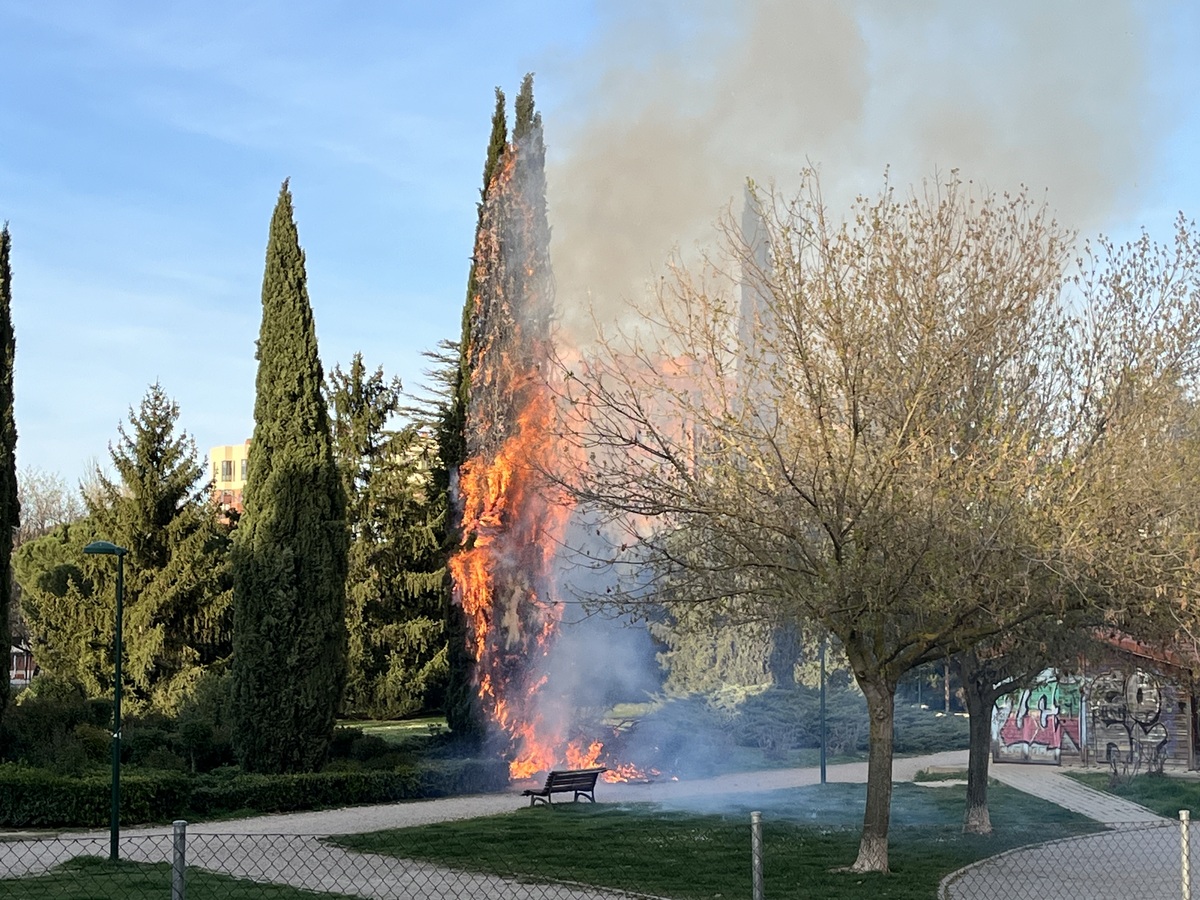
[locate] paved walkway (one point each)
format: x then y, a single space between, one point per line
288 848
1049 783
1138 857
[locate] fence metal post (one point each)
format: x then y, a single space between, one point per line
756 855
179 861
1185 856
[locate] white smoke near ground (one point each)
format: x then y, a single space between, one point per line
677 105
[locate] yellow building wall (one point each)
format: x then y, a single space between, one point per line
227 466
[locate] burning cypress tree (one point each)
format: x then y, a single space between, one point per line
9 506
513 298
462 711
508 521
290 545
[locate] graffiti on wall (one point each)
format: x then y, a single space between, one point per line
1133 720
1039 723
1130 721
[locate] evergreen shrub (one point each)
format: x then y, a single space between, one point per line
140 742
35 798
921 730
95 741
53 727
777 721
343 739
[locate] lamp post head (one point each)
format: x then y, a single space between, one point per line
106 547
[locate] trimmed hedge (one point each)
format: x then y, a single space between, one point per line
34 798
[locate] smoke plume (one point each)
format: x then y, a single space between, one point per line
680 103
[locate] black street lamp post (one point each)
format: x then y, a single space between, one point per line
824 732
110 549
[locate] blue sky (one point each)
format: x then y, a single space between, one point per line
143 145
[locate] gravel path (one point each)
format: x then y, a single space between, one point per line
1139 856
1141 860
288 848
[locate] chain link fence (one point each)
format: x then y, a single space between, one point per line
1124 862
186 866
1127 861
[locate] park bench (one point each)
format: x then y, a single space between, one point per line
565 781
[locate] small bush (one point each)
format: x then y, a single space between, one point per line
777 721
164 760
203 723
369 746
40 730
926 731
95 741
140 741
343 740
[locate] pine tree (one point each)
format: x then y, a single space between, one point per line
290 545
177 610
462 713
397 646
177 598
9 507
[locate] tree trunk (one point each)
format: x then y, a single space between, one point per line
979 707
785 650
881 707
946 685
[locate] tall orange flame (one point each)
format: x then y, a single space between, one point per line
511 521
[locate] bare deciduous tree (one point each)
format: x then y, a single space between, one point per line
47 501
906 436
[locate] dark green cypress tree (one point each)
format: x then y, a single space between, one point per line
525 120
462 713
9 507
289 559
450 433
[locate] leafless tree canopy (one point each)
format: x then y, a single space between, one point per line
916 426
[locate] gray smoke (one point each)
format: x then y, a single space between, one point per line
654 131
679 103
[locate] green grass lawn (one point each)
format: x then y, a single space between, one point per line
397 731
807 833
1162 793
93 878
